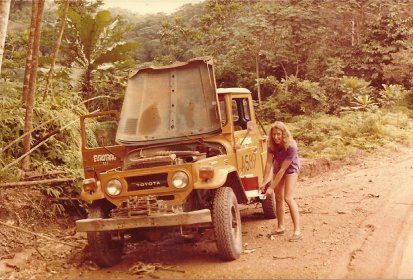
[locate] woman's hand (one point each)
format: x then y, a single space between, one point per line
262 187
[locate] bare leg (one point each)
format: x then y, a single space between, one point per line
279 198
290 186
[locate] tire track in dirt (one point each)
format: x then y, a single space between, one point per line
379 250
396 261
368 232
405 270
381 242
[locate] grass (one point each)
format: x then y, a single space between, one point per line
336 137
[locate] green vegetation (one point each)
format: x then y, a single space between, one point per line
56 120
338 72
335 137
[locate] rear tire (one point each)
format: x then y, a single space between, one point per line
106 247
269 207
226 220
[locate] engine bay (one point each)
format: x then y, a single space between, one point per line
174 154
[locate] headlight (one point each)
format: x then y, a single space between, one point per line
114 187
180 180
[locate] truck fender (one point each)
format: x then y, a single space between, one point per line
91 197
96 195
225 177
234 181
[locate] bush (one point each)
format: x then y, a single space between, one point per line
292 97
335 137
392 94
57 116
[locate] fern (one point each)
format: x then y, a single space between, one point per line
49 116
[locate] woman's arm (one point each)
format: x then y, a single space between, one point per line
267 169
277 178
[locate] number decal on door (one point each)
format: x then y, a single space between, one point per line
248 162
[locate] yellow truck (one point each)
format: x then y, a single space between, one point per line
181 156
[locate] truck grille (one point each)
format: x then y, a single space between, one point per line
146 205
147 182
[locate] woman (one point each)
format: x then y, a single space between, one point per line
282 159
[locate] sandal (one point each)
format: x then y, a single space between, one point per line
296 237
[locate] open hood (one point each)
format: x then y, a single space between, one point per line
170 103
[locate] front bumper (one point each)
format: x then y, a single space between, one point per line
155 220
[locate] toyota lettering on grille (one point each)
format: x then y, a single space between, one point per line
147 182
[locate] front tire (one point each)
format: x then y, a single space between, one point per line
226 220
106 247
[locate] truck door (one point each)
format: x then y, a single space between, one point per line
247 141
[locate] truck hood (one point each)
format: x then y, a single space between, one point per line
170 103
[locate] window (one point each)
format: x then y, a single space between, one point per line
241 112
223 112
246 109
235 115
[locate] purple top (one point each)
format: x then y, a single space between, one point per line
290 154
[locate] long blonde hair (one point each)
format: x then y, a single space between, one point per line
287 137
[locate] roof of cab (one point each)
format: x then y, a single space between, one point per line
232 90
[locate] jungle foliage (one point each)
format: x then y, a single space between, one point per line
328 68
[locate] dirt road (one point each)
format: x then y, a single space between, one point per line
357 223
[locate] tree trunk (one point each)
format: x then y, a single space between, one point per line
257 71
353 33
4 19
31 74
29 56
286 77
87 88
56 51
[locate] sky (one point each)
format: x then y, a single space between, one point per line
149 6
